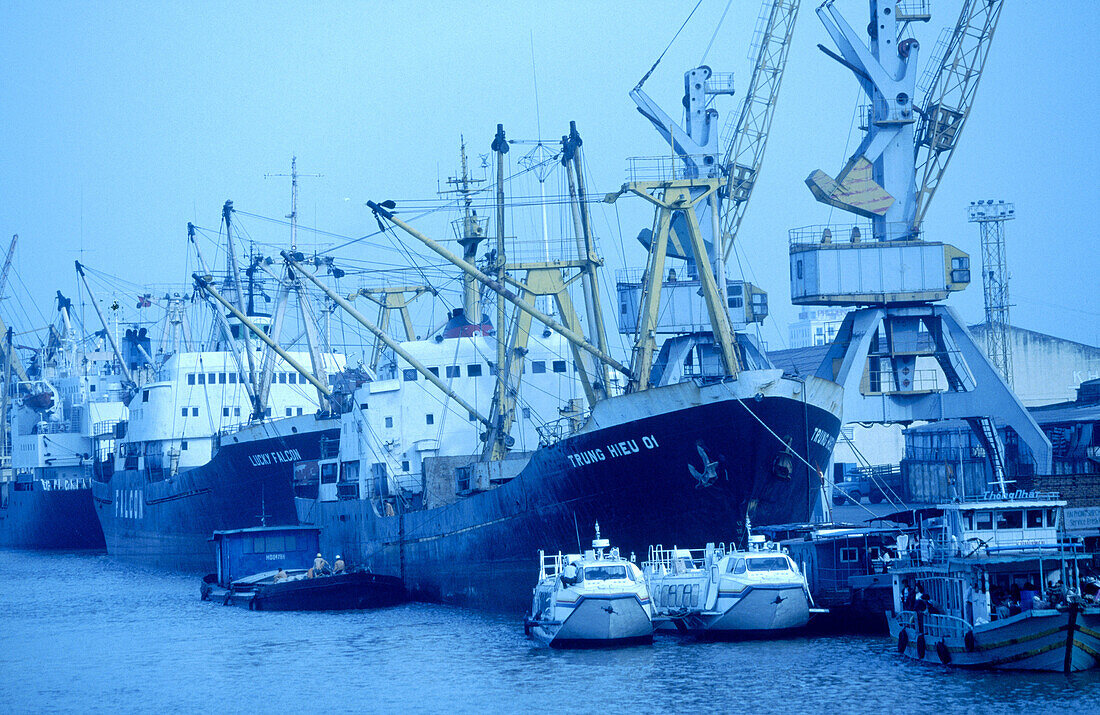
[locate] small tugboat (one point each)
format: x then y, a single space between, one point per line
732 593
593 600
994 583
256 550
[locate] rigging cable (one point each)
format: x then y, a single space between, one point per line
662 56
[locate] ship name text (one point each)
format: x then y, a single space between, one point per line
612 451
262 459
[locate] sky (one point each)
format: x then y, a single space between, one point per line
124 121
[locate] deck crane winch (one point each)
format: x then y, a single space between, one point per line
902 355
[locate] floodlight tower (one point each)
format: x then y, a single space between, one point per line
991 218
902 355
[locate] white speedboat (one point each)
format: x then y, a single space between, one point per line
994 583
592 600
716 592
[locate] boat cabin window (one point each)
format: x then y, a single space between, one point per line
473 370
453 371
434 371
1034 519
737 566
771 563
605 573
232 378
538 366
328 473
1010 519
190 378
849 555
559 366
983 521
1052 518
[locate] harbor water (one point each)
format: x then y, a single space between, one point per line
84 633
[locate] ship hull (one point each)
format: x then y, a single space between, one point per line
49 516
169 523
687 476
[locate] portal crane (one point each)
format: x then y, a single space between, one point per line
747 138
951 95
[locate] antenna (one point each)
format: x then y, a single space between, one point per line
293 215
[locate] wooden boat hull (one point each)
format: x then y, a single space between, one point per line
1057 640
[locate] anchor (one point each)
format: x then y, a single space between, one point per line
710 469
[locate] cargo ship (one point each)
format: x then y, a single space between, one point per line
70 386
694 438
211 440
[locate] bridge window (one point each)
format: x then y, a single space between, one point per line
473 370
183 412
299 411
1052 518
202 378
289 412
183 445
429 418
292 378
190 378
232 378
735 301
983 520
1010 519
221 378
453 371
282 378
144 395
212 378
434 371
538 367
737 566
236 411
225 412
405 465
409 375
194 411
389 422
1035 518
559 366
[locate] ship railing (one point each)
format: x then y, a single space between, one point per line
104 427
330 447
675 559
557 430
550 565
672 168
838 234
936 625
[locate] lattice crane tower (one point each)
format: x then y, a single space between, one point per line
991 218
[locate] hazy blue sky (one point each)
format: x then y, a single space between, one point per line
124 121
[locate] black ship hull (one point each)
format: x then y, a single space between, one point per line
36 515
168 523
684 477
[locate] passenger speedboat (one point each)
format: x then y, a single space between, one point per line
720 592
994 583
592 600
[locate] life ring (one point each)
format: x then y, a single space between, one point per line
968 641
943 652
921 646
903 640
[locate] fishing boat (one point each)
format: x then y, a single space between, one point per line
993 582
721 591
590 600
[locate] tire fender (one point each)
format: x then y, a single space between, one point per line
903 640
969 642
943 652
922 646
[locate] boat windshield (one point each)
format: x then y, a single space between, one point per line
772 563
604 573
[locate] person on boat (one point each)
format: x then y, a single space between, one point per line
280 575
569 575
320 566
1056 593
338 565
